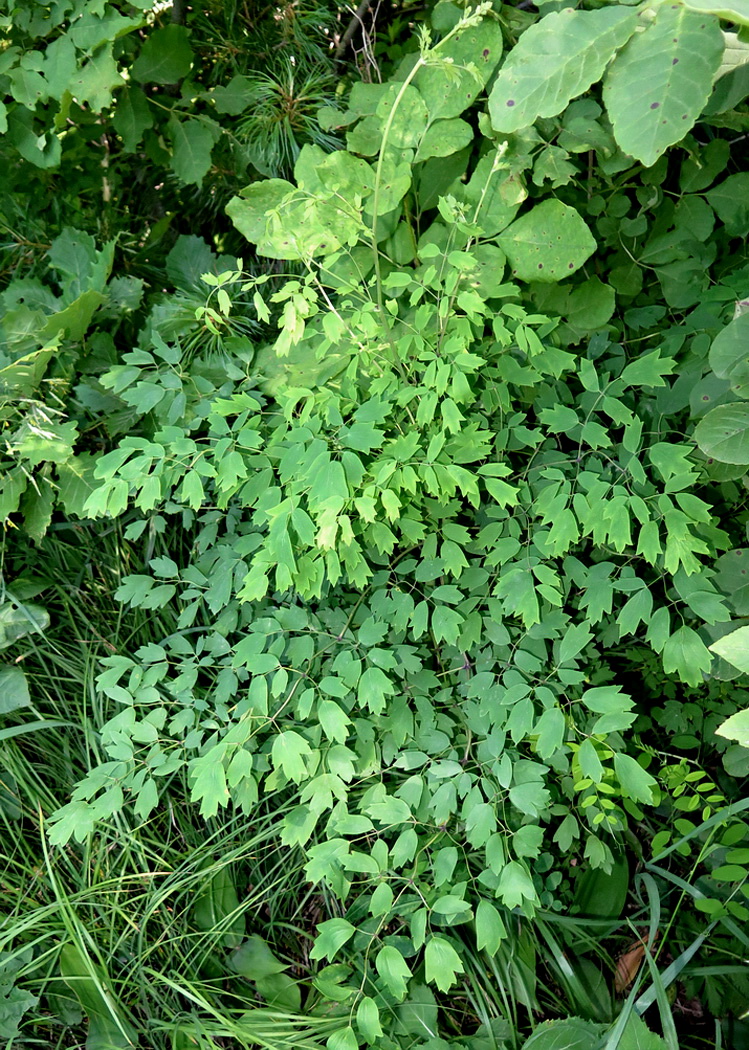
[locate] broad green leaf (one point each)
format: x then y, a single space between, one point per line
442 963
730 347
732 577
548 243
255 960
233 97
289 752
574 641
490 929
443 138
249 211
42 148
19 620
14 1002
343 1039
108 1028
368 1020
14 689
686 655
730 201
491 197
603 894
734 648
392 968
374 688
132 117
737 726
475 52
732 10
554 61
658 84
165 58
96 80
723 434
409 119
569 1034
637 1036
331 935
192 142
217 905
515 885
636 782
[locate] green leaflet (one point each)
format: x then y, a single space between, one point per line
659 83
556 60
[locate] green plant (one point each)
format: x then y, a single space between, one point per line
418 560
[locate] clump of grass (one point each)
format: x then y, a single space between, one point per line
125 920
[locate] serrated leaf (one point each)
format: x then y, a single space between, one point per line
658 84
289 752
192 142
548 243
165 57
132 117
554 61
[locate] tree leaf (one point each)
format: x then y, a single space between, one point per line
192 142
734 648
659 83
548 243
165 58
737 726
132 117
475 52
554 61
723 434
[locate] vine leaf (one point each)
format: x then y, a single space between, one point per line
554 61
659 83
